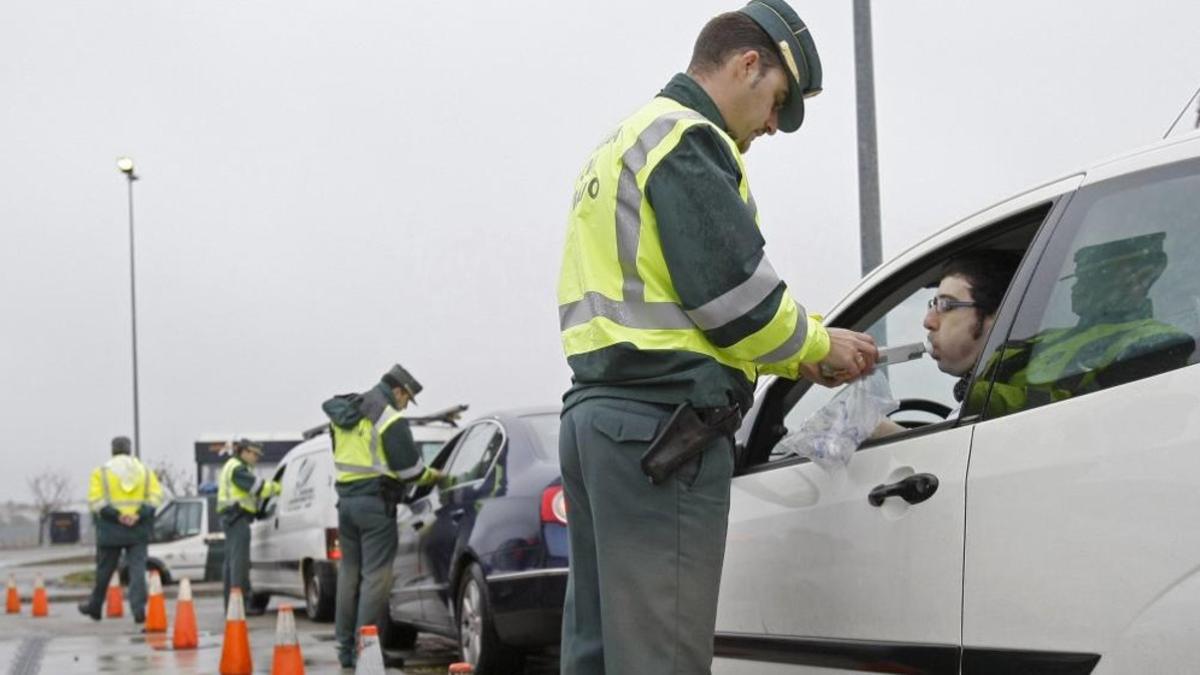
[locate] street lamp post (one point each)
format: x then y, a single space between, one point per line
125 164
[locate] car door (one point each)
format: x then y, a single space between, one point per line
818 575
265 550
413 519
1082 548
454 515
191 557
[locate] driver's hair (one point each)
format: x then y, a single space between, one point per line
988 273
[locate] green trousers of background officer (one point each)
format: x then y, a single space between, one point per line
367 535
654 550
235 571
107 560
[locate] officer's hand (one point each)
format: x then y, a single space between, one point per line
429 477
851 355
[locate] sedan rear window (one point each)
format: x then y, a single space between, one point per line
545 428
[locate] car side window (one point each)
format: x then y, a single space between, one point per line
1116 297
189 518
475 453
164 523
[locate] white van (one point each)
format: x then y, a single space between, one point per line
187 541
294 546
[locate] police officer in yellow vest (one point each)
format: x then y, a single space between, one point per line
669 310
123 495
374 453
240 493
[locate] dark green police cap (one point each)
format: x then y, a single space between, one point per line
798 52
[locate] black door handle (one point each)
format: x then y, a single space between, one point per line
914 489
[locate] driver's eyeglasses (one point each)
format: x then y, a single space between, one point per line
941 304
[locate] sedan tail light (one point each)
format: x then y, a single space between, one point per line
554 505
333 548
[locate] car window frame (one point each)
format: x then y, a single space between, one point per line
863 307
491 466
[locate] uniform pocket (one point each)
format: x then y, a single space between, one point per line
625 427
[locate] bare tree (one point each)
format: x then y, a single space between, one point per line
51 491
174 480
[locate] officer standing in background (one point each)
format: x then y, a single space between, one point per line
239 495
374 453
669 311
123 495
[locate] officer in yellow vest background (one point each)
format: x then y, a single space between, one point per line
669 310
239 499
375 456
123 495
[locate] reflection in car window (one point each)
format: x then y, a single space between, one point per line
1116 298
475 453
429 450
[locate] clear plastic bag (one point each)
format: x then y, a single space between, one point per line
830 436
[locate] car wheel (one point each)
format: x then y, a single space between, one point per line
319 601
477 639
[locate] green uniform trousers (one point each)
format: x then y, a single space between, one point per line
645 559
235 570
367 534
107 560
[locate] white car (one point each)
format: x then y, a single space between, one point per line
1060 536
294 547
187 541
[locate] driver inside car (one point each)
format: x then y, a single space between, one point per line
960 316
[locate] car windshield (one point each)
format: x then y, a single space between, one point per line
545 427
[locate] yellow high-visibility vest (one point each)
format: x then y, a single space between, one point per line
358 452
615 287
125 484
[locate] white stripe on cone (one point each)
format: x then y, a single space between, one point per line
370 656
185 590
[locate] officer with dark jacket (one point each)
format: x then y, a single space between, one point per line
375 456
123 496
239 498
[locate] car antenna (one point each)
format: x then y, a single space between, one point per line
1193 103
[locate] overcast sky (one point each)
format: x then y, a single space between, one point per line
328 188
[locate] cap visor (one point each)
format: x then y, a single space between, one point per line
791 116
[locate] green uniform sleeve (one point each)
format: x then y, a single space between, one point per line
401 451
715 254
245 479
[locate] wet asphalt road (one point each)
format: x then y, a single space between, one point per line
68 642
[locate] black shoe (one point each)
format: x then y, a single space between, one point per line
390 661
139 618
346 660
86 610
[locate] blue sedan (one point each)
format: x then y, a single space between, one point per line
483 555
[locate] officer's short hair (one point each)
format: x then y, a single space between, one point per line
728 34
989 274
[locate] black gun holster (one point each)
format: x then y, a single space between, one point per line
685 435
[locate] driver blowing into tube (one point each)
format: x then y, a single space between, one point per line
960 316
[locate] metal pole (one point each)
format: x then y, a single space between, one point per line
868 151
137 433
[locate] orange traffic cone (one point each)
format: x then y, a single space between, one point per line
235 652
185 636
461 668
287 660
370 655
13 605
156 608
114 603
41 604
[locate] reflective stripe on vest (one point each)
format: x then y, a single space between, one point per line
132 504
228 492
358 452
615 287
